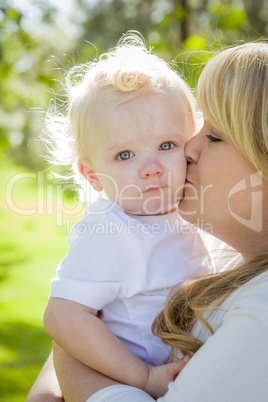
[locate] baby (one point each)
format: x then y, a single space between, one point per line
129 117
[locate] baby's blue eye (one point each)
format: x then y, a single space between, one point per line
123 156
166 146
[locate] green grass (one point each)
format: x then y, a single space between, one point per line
31 245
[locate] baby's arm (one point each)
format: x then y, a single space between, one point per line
77 329
161 376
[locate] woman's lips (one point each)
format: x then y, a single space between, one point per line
187 181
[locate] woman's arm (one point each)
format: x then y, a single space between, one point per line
46 388
78 381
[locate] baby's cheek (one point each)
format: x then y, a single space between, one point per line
178 180
181 168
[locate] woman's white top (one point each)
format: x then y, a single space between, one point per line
232 365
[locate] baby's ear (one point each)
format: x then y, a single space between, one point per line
86 170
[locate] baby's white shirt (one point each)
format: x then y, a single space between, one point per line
125 265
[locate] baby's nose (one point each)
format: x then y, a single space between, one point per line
151 169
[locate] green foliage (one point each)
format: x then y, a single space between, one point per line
230 18
31 246
26 82
29 74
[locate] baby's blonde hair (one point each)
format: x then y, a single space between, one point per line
125 72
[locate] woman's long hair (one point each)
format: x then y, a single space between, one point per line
233 94
187 304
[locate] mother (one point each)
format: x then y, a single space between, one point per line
221 320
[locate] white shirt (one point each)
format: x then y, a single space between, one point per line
125 265
231 366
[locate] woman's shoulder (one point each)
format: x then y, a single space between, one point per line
251 299
248 304
256 286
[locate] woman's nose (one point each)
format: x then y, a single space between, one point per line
192 149
151 169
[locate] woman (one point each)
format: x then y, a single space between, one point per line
221 320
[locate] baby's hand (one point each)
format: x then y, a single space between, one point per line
160 376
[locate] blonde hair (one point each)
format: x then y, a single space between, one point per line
125 72
233 94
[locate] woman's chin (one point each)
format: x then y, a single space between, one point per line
189 218
188 211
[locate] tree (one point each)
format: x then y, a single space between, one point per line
181 30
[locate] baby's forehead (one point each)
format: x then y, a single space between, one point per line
112 121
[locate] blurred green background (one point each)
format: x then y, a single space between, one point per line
39 40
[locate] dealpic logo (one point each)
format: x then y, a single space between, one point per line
255 220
